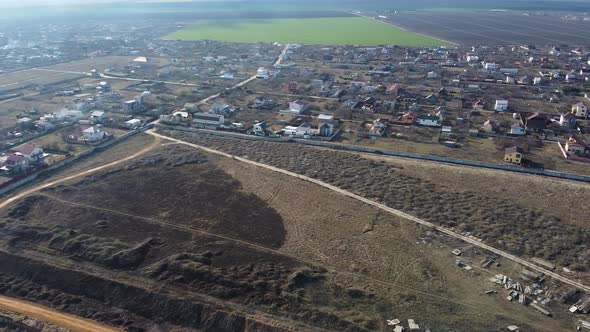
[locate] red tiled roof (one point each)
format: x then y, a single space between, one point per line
13 157
27 148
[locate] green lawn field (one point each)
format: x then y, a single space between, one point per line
335 31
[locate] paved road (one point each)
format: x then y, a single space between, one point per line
49 315
281 56
392 211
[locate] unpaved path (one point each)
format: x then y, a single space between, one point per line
49 315
77 175
392 211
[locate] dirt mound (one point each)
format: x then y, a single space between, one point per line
299 279
115 303
73 243
132 257
23 207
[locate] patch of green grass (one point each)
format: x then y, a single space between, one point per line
335 31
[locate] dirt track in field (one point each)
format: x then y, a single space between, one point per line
52 316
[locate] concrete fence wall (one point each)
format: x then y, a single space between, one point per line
543 172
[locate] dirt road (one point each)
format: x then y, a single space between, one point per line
49 315
392 211
77 175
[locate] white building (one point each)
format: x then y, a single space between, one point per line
501 105
325 125
31 152
517 129
296 107
208 120
429 120
303 130
580 110
509 71
262 73
490 66
97 116
133 123
94 133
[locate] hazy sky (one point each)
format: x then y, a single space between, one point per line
18 3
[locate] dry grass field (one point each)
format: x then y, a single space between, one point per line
149 244
497 220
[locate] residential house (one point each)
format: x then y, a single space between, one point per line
537 122
576 146
296 107
304 130
479 104
44 125
513 155
263 103
259 128
227 76
133 105
207 120
580 110
219 108
490 66
405 99
325 129
24 123
178 117
325 125
442 93
501 105
262 73
509 71
97 116
368 88
567 120
393 89
133 123
517 129
94 133
191 107
488 127
570 77
378 127
31 152
429 120
16 162
408 118
524 80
